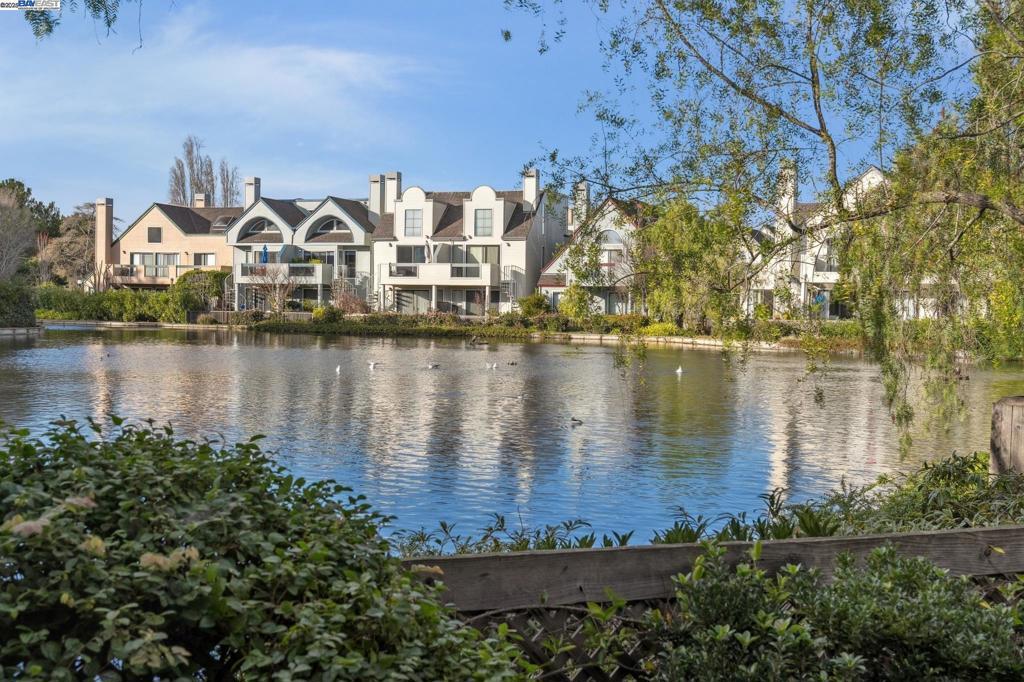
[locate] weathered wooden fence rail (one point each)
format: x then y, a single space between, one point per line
538 593
521 580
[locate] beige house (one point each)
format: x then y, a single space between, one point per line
164 242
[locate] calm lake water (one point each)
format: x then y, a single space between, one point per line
461 441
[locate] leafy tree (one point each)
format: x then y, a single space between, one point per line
71 254
138 556
17 237
46 216
576 304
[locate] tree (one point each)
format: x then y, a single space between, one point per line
193 173
71 254
46 216
229 184
745 96
17 237
274 283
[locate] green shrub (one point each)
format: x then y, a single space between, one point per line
660 329
534 304
137 556
512 318
895 619
327 314
17 305
207 318
553 322
629 323
245 318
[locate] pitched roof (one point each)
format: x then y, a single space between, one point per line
451 225
357 210
287 209
197 220
335 237
552 280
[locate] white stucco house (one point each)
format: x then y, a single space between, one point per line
612 225
464 252
320 244
809 269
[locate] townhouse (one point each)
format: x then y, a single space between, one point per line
161 244
464 252
405 250
807 272
611 227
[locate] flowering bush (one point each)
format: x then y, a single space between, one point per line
137 556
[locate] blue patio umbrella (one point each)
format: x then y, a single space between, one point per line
263 256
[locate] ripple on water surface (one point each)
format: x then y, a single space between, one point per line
462 441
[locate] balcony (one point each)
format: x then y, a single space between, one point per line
142 275
301 273
441 274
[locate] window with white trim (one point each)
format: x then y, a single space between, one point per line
483 222
414 222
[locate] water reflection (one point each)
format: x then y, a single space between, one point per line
462 441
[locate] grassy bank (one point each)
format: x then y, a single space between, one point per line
830 336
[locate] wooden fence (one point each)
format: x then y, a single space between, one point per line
539 594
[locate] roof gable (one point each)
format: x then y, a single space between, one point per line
188 220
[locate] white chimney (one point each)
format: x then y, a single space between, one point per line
104 255
580 204
392 190
376 203
531 188
788 191
252 191
199 200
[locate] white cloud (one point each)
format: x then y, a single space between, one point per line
268 106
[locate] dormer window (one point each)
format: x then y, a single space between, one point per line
221 223
483 222
414 222
333 225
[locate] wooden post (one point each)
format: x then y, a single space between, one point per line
1006 452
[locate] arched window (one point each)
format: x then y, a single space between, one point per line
609 237
262 225
332 225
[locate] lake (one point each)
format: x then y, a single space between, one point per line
462 441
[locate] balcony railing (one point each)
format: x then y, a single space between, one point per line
319 272
134 271
461 270
402 270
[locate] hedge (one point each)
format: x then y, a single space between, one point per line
139 556
17 305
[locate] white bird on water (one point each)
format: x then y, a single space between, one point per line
432 365
373 365
492 365
679 370
337 370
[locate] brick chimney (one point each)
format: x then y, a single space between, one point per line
375 205
199 200
105 255
531 188
392 190
252 191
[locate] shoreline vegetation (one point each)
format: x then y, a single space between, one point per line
229 551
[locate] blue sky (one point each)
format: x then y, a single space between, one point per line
310 97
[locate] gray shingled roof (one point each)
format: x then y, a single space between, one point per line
452 224
197 220
287 209
357 210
